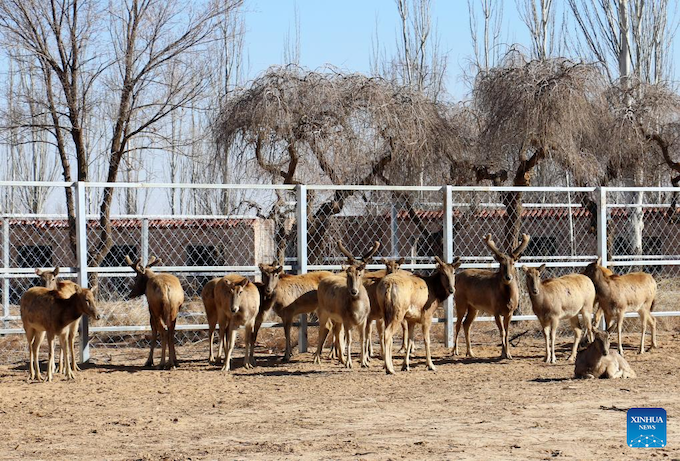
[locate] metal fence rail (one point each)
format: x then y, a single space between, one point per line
201 231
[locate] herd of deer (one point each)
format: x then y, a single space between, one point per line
392 298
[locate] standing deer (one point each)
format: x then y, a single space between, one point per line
45 311
561 298
238 301
343 299
66 288
404 296
618 294
289 296
370 281
492 292
165 296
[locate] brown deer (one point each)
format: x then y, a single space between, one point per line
489 291
208 297
289 296
370 281
67 288
238 301
561 298
618 294
344 300
45 311
597 361
403 296
164 295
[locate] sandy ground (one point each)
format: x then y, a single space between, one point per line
469 408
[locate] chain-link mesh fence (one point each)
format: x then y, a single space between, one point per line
201 232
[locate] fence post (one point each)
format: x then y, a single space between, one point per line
448 257
602 233
302 256
81 245
5 264
145 240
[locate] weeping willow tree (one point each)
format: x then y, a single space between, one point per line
297 126
533 112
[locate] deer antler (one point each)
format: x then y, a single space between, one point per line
344 251
372 251
517 252
492 246
153 261
134 266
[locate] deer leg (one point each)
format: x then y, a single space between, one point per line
578 333
72 345
50 364
427 324
467 327
348 341
68 371
652 321
247 364
619 327
380 324
231 339
222 338
546 336
323 334
553 333
587 315
501 330
32 338
643 323
405 339
152 345
364 351
211 336
369 337
287 324
389 333
506 334
171 345
407 359
459 322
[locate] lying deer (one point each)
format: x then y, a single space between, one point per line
597 361
404 296
66 288
45 311
561 298
618 294
489 291
165 296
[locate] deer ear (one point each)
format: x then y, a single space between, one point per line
401 260
56 271
261 267
243 282
542 268
599 261
38 272
525 269
279 269
456 262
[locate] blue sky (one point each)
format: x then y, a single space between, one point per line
340 32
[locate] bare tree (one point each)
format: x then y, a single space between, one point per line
336 128
487 48
64 40
539 17
533 112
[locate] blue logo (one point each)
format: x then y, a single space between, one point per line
646 427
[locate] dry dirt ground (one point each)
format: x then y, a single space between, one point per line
468 409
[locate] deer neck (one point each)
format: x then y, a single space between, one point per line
69 311
435 287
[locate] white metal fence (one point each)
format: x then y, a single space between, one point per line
202 231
